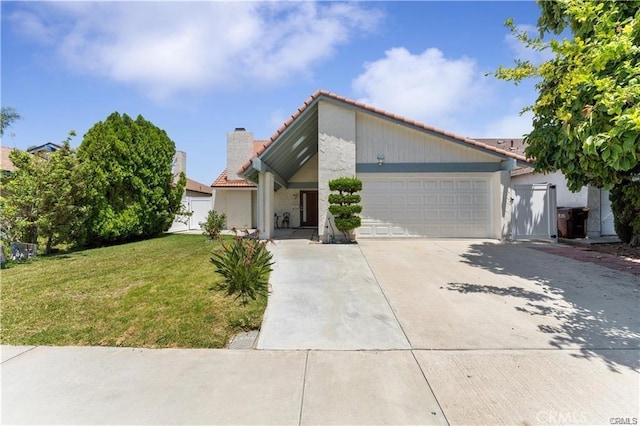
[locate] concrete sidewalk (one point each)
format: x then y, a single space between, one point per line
93 385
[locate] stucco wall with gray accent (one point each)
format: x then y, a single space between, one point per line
239 151
336 154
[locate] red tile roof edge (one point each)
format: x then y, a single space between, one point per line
195 186
414 123
223 182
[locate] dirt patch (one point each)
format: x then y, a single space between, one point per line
618 249
618 256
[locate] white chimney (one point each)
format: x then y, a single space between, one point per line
239 151
179 164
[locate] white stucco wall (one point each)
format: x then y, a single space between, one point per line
288 200
336 154
237 205
565 197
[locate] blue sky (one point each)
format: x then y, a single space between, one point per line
200 69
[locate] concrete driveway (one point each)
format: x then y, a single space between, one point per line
508 334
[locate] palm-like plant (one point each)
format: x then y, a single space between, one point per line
245 265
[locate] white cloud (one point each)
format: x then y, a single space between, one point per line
164 48
427 87
522 52
508 126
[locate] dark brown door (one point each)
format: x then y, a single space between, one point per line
308 208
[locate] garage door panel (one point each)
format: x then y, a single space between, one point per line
447 185
464 185
465 199
430 185
456 206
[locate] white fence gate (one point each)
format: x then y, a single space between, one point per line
535 212
199 208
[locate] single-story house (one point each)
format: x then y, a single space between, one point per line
418 181
600 217
196 199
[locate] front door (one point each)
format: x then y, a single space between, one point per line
308 208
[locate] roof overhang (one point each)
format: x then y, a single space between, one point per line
289 151
296 141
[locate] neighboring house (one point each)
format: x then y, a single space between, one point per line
196 199
418 181
6 166
600 217
46 148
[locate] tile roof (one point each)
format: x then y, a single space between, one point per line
369 108
258 146
5 162
516 145
223 182
194 186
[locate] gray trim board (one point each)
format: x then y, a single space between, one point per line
427 167
303 185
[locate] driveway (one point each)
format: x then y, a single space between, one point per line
508 334
326 297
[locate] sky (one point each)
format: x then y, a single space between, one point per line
200 69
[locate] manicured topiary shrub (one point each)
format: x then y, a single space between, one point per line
344 205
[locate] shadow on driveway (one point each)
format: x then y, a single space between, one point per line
604 303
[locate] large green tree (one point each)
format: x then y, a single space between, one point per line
587 114
133 190
45 198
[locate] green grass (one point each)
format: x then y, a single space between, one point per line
155 294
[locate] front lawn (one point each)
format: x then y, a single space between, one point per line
155 293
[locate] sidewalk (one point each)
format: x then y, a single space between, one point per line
94 385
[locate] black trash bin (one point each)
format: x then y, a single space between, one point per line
572 222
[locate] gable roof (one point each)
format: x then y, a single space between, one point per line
516 145
326 95
47 147
194 186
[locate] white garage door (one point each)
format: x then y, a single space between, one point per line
435 206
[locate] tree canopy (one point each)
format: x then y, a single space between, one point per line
45 196
7 116
587 114
133 190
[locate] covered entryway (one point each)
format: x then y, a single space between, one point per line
439 205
